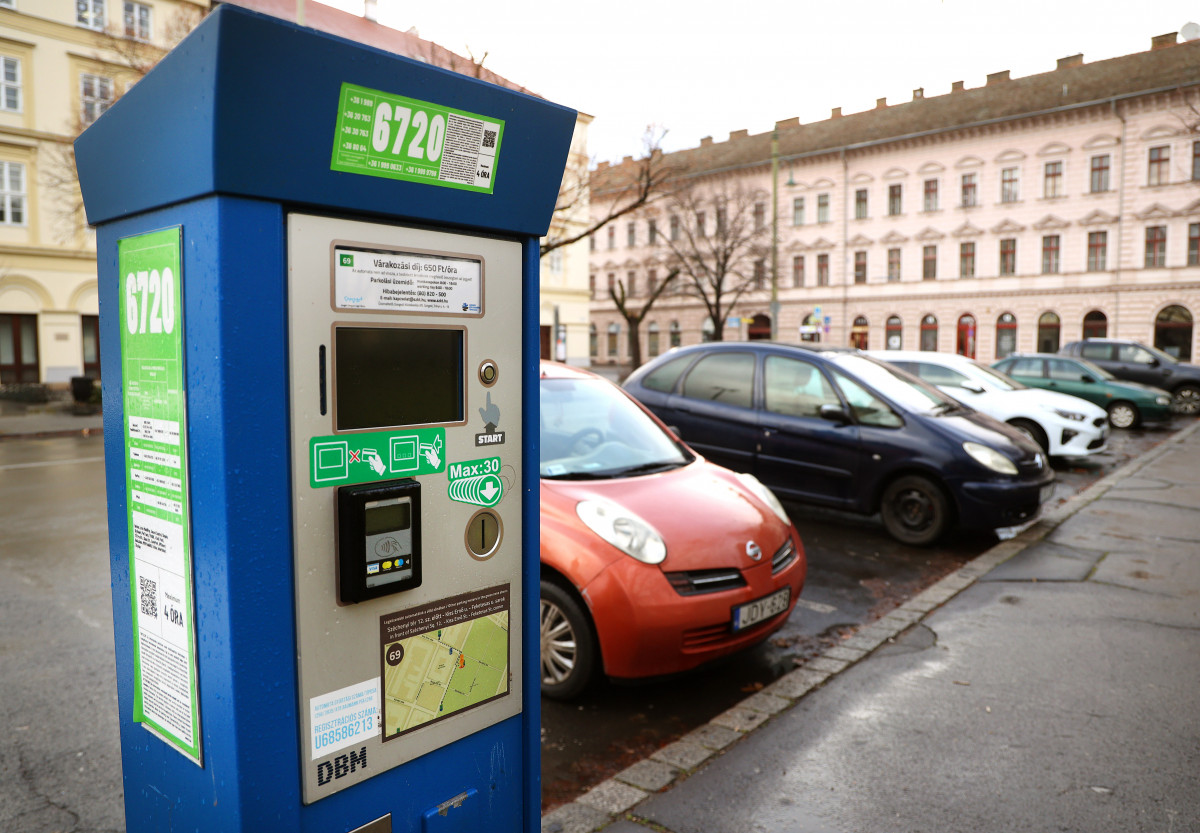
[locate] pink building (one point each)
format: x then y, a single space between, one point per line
1015 216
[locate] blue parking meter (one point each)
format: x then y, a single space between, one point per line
318 273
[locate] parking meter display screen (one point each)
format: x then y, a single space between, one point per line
395 376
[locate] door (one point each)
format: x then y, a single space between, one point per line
1066 376
800 454
1138 364
714 410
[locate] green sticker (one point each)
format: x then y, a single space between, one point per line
476 482
380 134
347 459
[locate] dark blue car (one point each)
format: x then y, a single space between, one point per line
837 428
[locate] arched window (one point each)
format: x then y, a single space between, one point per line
652 339
614 330
706 330
858 333
929 336
1173 332
1048 332
810 330
760 328
965 345
894 333
593 341
1006 335
676 334
1095 324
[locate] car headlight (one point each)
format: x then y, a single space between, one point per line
764 494
1071 415
1162 400
990 458
623 529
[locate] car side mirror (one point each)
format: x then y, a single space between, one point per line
1154 362
833 413
1086 378
973 387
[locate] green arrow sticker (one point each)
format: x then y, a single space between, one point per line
476 482
346 459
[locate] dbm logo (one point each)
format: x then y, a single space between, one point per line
341 766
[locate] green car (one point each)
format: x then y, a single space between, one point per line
1129 404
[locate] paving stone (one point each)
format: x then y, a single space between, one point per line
740 719
797 683
866 642
845 652
649 775
712 736
612 796
833 666
573 818
683 754
763 702
904 617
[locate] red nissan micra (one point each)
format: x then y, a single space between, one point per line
654 560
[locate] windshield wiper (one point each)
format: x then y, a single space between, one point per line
943 408
648 468
579 475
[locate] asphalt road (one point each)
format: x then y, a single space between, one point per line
59 754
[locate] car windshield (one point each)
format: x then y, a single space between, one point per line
995 377
904 390
1165 358
590 431
1096 369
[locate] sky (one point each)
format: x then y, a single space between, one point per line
715 68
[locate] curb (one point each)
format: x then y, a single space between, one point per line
42 435
609 800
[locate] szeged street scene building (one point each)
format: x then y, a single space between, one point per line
1016 216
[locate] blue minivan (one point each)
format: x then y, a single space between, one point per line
837 428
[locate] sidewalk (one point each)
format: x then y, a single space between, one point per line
1053 684
45 421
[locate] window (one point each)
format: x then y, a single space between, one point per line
631 284
1050 263
12 194
651 281
1193 244
868 410
893 333
895 199
1099 177
701 231
1062 370
727 378
95 96
966 260
674 228
1158 170
614 330
860 267
612 281
970 193
1053 184
593 341
822 270
652 339
592 285
10 85
1010 185
760 274
1097 251
860 332
1006 335
90 13
18 348
137 20
931 195
822 208
965 346
89 329
1049 328
929 263
721 221
810 329
795 388
760 216
1195 160
798 270
1095 324
1156 247
676 335
860 204
630 235
554 261
612 238
929 333
652 232
893 266
591 242
1008 256
798 211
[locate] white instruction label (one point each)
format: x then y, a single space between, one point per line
343 718
407 281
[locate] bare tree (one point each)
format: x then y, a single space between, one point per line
635 315
622 189
718 243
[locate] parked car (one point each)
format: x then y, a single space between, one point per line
1136 362
654 560
1129 404
838 428
1064 426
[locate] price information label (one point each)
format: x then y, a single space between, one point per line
380 134
156 481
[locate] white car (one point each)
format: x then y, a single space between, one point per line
1063 425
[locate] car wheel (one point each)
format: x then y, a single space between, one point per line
1033 431
1123 415
915 510
570 655
1187 400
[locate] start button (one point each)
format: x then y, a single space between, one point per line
488 373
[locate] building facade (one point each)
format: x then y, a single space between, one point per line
1016 216
62 64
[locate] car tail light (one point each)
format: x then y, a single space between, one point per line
695 582
784 556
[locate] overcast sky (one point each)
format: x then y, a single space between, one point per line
716 67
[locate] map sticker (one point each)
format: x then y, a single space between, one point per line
442 658
165 697
386 135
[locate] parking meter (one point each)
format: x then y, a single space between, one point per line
318 276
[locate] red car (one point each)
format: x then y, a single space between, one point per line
654 560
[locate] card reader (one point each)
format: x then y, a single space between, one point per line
379 539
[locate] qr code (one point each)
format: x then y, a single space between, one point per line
148 596
489 138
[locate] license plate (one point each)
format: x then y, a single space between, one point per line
1045 493
751 613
